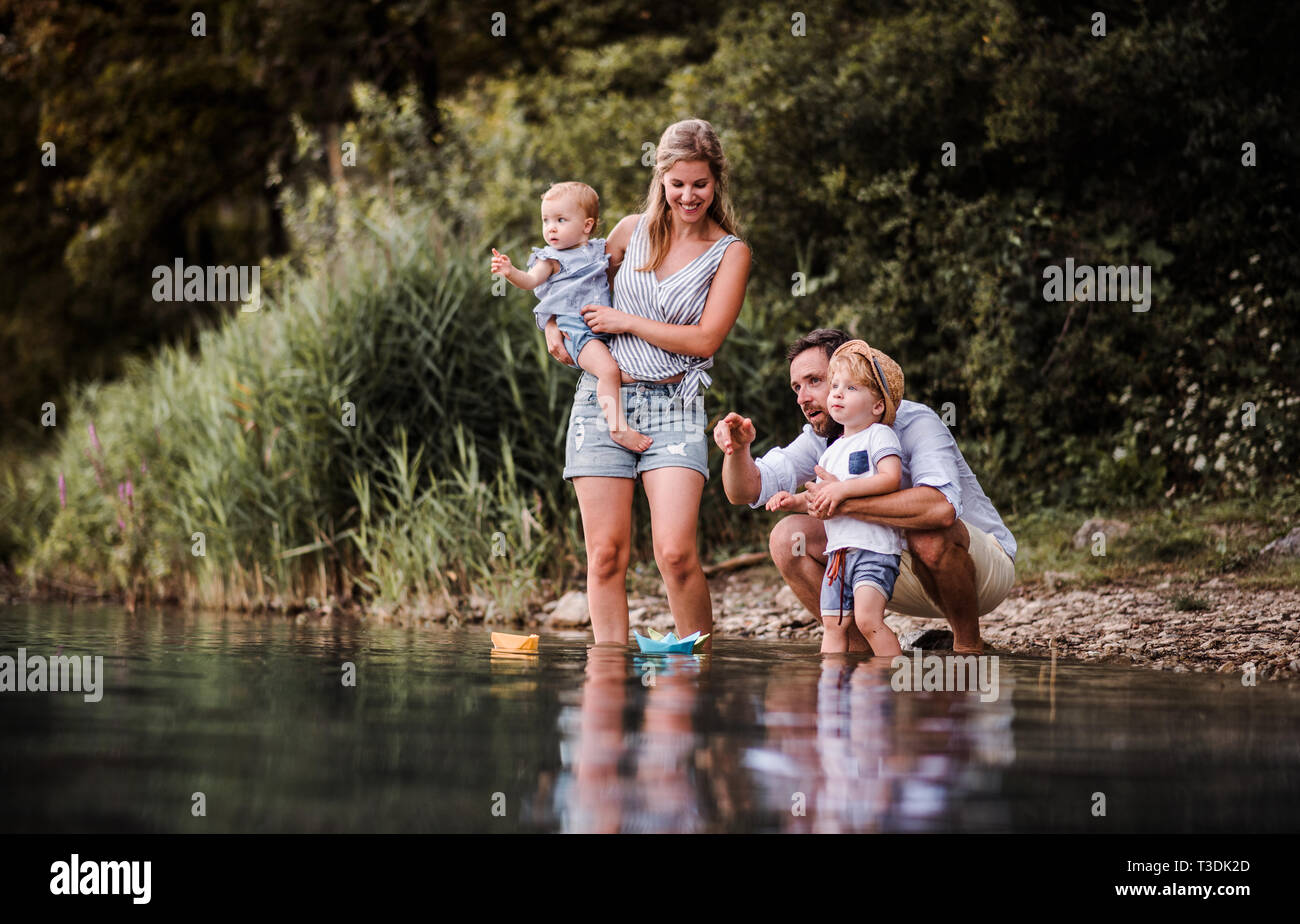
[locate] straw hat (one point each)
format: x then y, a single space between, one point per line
884 371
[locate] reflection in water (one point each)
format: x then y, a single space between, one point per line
437 734
846 753
655 791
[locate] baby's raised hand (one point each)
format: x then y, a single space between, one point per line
500 263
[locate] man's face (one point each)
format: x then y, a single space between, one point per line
808 379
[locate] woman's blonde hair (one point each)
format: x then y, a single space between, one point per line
583 195
690 140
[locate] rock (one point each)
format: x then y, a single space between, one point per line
786 599
570 610
927 639
1052 578
1111 529
1286 547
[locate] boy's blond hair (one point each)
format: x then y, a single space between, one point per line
871 368
582 194
857 369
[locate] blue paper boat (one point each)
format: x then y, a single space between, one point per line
670 643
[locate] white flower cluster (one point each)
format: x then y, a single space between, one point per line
1217 424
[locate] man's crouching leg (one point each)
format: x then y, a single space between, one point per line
798 547
941 562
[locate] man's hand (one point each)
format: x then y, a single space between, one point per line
734 432
555 343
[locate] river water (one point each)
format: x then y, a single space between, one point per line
211 722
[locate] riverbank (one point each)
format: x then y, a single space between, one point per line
1215 625
1190 589
1218 625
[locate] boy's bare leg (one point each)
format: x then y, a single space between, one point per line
869 613
835 633
798 547
599 361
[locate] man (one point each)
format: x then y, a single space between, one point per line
959 557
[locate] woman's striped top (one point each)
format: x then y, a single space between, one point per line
678 299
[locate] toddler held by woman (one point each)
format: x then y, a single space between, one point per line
569 272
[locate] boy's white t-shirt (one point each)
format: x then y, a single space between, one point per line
856 456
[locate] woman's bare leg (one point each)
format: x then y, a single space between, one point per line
606 505
674 496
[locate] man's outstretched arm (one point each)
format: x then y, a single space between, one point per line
742 482
747 480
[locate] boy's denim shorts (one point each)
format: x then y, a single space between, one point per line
861 566
578 333
678 433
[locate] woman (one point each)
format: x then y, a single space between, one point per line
675 301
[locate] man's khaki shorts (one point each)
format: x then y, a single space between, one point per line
995 572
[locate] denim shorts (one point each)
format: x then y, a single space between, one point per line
578 334
861 566
678 434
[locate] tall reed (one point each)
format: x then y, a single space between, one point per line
385 425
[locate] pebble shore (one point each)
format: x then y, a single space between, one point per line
1137 625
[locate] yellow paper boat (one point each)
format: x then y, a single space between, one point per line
502 641
504 656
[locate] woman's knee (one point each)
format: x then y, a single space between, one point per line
677 562
607 560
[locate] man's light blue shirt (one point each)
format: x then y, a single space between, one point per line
930 458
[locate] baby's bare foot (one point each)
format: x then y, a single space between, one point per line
630 439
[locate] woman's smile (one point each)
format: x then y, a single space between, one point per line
689 187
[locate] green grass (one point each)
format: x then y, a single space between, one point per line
386 427
385 424
1190 539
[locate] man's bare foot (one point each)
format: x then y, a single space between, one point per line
630 439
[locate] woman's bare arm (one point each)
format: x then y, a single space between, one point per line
726 295
616 246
